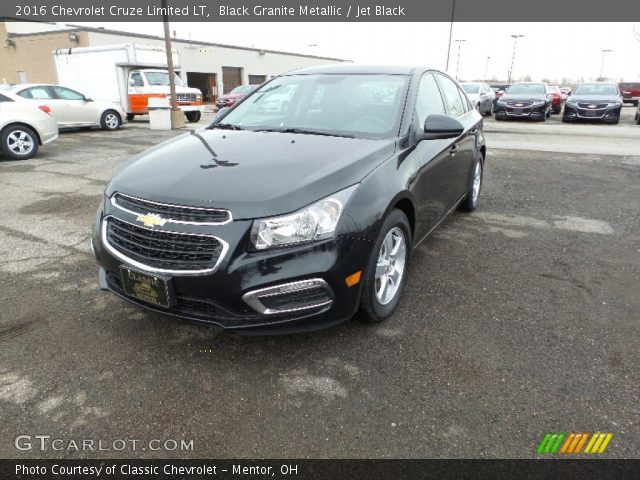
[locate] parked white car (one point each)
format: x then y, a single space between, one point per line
24 127
480 95
72 109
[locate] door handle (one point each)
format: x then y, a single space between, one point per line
454 149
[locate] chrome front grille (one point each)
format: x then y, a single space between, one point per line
592 106
185 97
160 250
519 104
171 213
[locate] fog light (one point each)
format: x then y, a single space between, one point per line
290 297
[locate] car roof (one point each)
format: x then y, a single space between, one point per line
352 68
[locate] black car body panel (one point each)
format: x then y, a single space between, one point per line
249 175
300 169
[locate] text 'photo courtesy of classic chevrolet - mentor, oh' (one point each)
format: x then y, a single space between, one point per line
297 207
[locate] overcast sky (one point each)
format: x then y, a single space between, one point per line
547 50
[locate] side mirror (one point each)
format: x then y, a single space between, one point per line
222 111
132 82
438 126
87 99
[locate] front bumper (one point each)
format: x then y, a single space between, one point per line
608 113
238 295
536 112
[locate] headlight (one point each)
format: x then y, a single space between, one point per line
538 103
571 103
198 97
314 222
501 102
615 104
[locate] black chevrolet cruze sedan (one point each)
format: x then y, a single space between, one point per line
524 100
293 218
598 101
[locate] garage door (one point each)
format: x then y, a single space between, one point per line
231 78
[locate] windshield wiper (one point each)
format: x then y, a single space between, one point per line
302 131
225 126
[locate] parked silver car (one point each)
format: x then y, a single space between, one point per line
24 127
72 109
480 95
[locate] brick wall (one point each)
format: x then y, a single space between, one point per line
32 55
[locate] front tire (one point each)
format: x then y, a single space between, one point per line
470 203
18 142
193 117
386 272
110 120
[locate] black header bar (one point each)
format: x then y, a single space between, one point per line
70 11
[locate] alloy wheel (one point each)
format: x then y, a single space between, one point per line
390 266
20 142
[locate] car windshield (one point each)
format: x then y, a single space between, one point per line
471 88
367 105
527 89
242 90
161 78
595 89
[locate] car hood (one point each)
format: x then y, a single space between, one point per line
252 174
523 98
594 98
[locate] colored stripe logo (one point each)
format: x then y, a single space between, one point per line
573 443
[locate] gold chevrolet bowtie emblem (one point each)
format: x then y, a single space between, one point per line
151 220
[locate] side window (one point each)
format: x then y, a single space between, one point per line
429 99
465 101
452 98
5 99
137 79
36 92
67 93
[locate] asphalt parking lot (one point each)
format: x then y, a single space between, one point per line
517 320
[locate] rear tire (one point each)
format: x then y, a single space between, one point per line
386 272
110 120
193 117
18 142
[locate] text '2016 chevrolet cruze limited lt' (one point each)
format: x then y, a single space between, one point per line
293 218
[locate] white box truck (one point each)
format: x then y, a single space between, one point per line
128 74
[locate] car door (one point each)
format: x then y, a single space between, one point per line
43 94
463 151
433 160
77 110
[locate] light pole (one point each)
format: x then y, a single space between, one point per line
453 11
177 117
513 56
459 42
604 54
486 68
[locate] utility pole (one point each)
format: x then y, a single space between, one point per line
513 56
459 42
604 54
177 117
453 11
486 68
